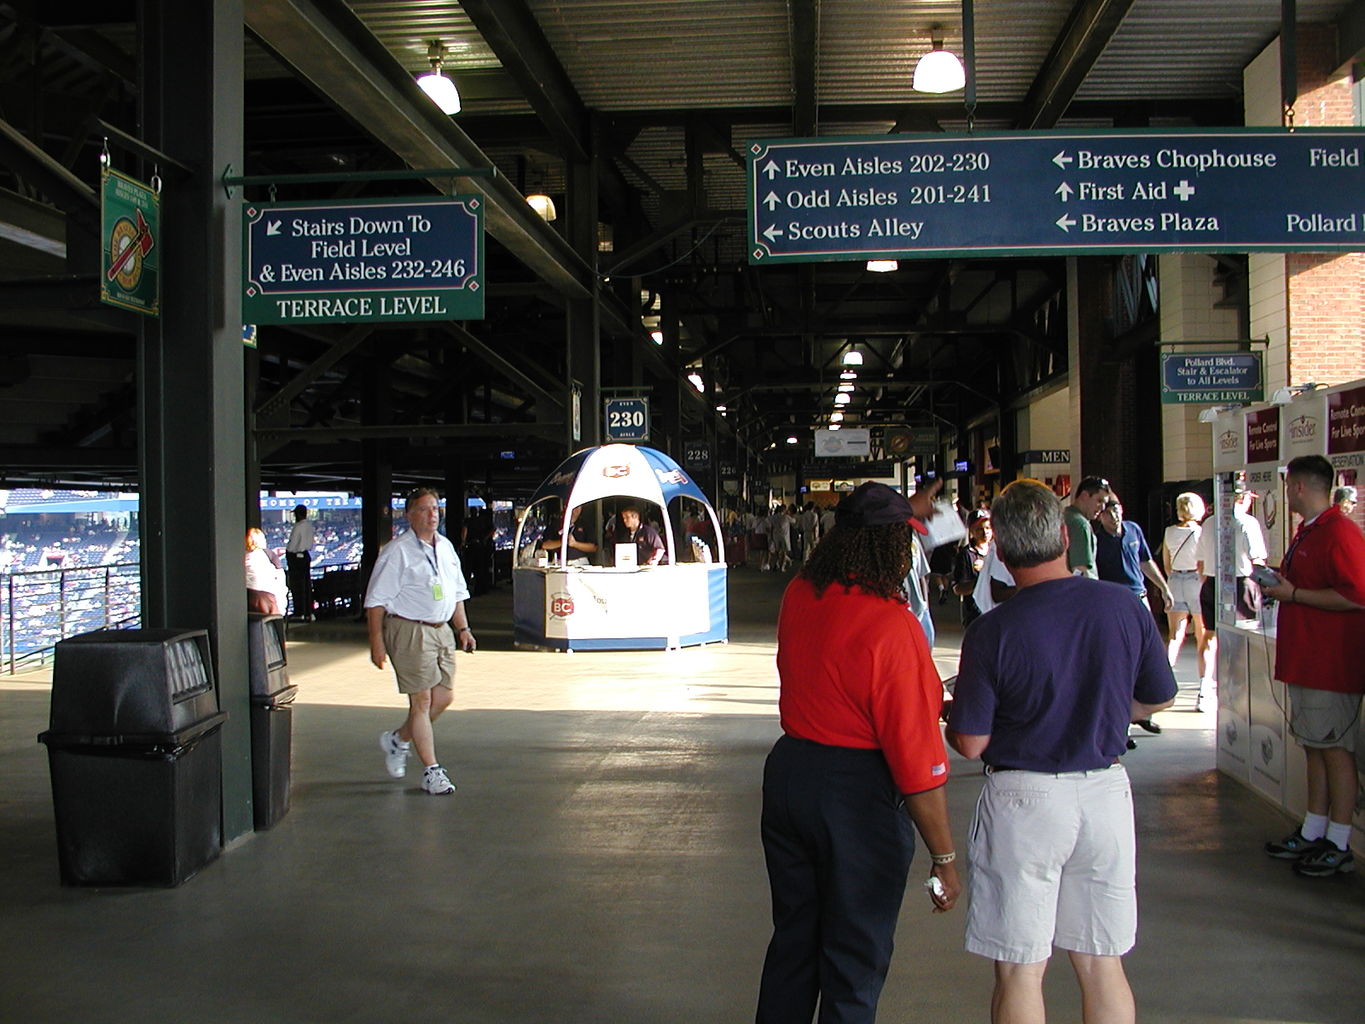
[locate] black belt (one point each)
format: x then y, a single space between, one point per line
434 625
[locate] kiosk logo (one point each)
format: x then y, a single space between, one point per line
616 472
561 605
1303 428
1227 441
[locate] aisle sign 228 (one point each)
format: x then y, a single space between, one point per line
627 419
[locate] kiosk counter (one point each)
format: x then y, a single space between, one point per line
576 588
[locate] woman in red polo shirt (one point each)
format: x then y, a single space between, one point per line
861 746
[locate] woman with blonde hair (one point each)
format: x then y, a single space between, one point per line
264 576
1180 553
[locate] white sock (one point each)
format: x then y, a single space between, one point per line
1339 835
1314 826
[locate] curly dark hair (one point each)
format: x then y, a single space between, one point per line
875 558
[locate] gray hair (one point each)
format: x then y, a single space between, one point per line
1345 493
1028 524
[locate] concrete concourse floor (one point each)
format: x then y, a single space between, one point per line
601 863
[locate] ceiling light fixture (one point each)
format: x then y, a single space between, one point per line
853 358
543 205
792 439
848 375
846 388
837 416
939 70
697 382
842 399
657 337
882 266
436 85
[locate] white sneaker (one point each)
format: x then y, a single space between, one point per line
436 782
395 753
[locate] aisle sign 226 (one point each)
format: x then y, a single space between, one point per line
627 419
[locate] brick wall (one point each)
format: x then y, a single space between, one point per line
1325 307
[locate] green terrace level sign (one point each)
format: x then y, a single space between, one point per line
1235 190
1217 377
363 262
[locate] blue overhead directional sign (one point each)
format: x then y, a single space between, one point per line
1237 190
385 261
627 419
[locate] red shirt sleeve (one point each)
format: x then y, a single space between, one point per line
906 702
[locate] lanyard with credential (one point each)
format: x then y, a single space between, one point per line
429 552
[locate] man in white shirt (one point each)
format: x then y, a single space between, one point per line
994 583
298 560
415 599
1249 551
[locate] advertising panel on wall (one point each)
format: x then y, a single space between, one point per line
1263 463
1268 709
1234 707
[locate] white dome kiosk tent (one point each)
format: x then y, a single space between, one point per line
567 600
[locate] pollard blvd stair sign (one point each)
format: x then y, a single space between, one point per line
380 261
1233 190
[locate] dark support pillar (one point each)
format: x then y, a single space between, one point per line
1092 389
376 469
583 342
670 397
190 386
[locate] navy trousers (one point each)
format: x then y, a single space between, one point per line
838 844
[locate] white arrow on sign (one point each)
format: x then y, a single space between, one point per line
770 169
1066 223
1064 190
772 232
272 227
771 201
1061 159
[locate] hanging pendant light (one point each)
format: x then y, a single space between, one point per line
436 85
939 70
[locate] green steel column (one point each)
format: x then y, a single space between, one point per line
190 387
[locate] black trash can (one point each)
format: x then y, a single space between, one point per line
135 752
272 719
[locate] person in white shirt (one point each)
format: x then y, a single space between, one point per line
1249 551
1180 552
994 583
298 560
414 608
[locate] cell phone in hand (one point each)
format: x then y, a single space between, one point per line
1265 576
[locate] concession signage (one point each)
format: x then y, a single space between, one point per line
1263 435
1346 421
363 262
1232 190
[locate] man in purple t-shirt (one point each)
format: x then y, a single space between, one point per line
1046 687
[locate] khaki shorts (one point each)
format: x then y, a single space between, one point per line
422 656
1323 718
1053 863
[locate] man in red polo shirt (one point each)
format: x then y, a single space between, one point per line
860 759
1319 652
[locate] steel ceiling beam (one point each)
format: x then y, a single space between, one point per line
516 39
805 42
327 45
1088 31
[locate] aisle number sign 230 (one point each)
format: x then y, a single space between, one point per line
627 419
